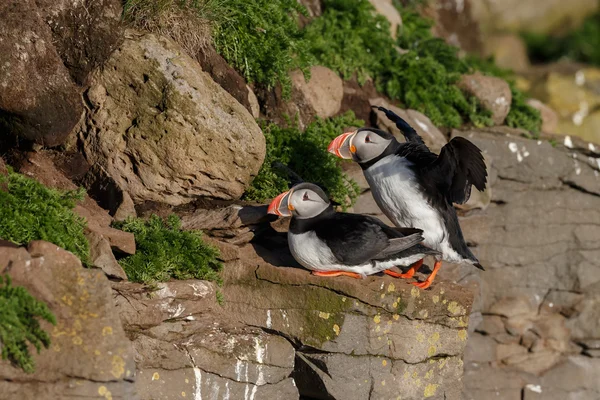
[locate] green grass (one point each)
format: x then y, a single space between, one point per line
305 153
582 44
19 325
30 211
351 39
164 252
262 40
259 38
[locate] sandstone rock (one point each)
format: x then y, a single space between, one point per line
38 100
512 307
141 308
575 374
185 344
354 323
482 349
89 352
508 51
491 325
126 209
357 98
225 75
433 137
549 116
236 224
323 92
387 9
164 130
493 93
540 16
84 32
101 255
507 350
253 103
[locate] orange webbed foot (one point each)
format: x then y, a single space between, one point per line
408 274
427 282
337 273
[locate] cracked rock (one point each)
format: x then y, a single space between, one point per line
164 131
412 339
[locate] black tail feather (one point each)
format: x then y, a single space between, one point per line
408 131
479 266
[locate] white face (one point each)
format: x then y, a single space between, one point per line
305 203
366 145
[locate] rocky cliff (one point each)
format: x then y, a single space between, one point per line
155 116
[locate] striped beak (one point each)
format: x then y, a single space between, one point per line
341 146
280 205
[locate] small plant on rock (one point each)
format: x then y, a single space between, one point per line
19 325
305 153
165 252
31 211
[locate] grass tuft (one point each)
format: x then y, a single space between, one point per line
19 325
165 252
305 153
31 211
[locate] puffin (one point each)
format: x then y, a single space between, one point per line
331 243
417 188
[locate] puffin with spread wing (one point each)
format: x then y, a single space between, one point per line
415 187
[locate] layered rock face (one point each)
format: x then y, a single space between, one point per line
377 338
538 298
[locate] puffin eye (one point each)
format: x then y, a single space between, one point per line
367 139
305 197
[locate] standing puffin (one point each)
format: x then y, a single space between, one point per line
333 244
415 187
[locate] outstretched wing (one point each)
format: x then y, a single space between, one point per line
409 133
459 165
356 239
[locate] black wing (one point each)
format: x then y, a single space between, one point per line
409 133
355 239
459 165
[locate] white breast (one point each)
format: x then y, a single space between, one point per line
314 254
311 252
395 190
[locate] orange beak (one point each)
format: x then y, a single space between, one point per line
280 205
341 147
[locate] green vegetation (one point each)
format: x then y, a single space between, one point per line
30 211
262 40
164 251
351 40
19 325
305 154
583 44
